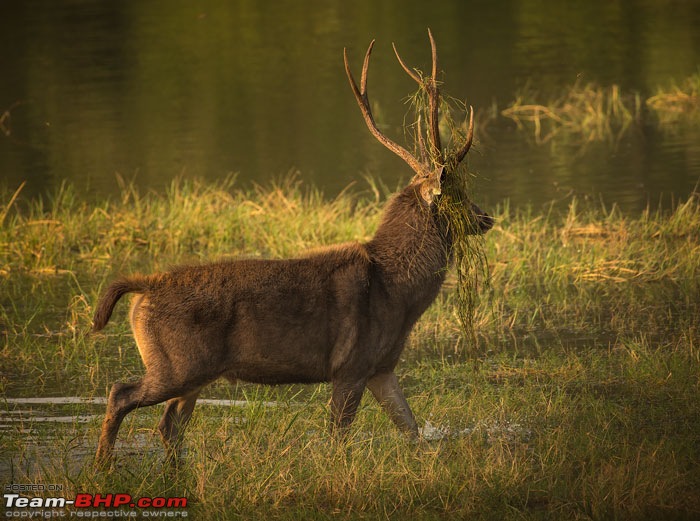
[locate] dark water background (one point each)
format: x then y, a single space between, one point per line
165 88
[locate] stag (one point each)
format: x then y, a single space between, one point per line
340 315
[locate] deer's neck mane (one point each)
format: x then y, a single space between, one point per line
409 247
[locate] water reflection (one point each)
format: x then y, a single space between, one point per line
152 90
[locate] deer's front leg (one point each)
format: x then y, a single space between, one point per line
385 388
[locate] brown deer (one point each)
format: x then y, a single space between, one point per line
340 315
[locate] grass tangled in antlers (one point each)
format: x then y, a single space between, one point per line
468 251
454 206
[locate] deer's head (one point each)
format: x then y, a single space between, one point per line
433 167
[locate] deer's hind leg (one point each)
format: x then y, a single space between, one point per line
125 397
345 399
166 379
178 412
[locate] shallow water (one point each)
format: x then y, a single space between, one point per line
50 435
73 400
41 430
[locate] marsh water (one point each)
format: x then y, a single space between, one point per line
150 91
154 90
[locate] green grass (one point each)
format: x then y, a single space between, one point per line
576 398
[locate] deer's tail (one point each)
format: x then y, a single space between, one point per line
115 291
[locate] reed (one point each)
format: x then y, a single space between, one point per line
589 112
677 103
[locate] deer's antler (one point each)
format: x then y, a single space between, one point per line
470 136
363 102
430 84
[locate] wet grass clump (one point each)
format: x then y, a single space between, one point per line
467 254
468 257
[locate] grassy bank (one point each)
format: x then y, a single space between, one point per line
576 399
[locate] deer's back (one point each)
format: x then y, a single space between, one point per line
214 289
271 321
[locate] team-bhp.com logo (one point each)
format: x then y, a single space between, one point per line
20 506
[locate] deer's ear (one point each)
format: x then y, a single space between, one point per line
430 188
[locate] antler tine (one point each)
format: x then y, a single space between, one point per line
365 68
421 142
470 136
433 49
410 72
363 102
434 101
433 97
